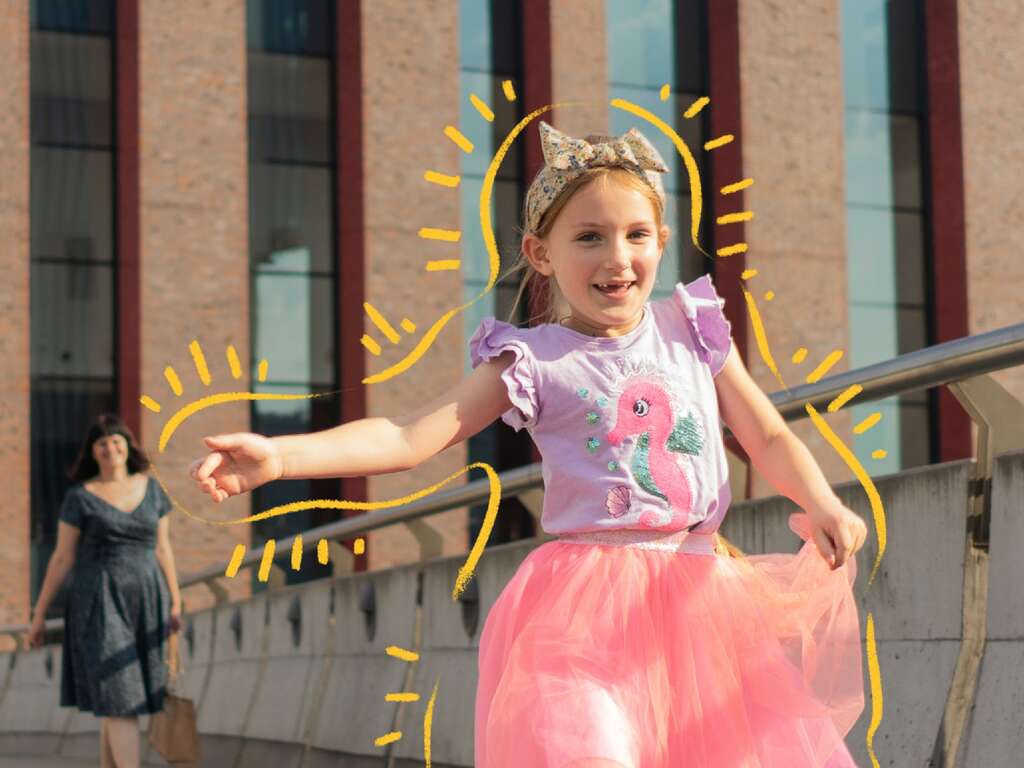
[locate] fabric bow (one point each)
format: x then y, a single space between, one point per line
631 149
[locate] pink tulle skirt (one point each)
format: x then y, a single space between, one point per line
646 650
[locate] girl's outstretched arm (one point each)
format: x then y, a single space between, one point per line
240 462
785 461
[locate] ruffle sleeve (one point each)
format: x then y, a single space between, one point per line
702 308
492 338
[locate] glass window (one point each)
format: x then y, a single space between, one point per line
72 275
292 240
885 217
651 43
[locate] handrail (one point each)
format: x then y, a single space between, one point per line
932 366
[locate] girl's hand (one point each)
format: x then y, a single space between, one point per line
37 631
838 533
238 463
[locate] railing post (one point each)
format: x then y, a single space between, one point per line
999 417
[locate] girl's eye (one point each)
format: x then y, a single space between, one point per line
641 407
640 232
587 237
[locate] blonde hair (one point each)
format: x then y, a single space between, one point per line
545 286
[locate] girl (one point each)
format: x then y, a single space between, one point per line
123 599
628 640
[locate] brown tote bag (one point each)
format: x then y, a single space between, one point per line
173 732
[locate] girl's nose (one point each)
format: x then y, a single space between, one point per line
620 256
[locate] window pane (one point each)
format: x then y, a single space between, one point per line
289 109
641 48
290 26
294 328
82 16
71 90
475 34
72 205
290 218
73 326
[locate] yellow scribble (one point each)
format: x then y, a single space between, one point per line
800 355
381 324
877 510
485 111
692 171
732 250
748 273
428 722
721 141
761 337
211 400
402 697
233 362
825 366
460 141
322 552
297 552
509 90
846 396
388 738
236 561
769 295
880 453
268 559
150 403
262 375
733 218
867 423
730 189
444 235
408 325
402 653
694 109
173 381
200 361
359 546
371 345
441 265
442 179
875 678
665 92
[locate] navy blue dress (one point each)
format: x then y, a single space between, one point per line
118 607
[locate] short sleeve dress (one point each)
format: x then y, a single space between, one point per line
116 620
629 638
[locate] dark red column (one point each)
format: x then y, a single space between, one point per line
945 173
127 233
350 252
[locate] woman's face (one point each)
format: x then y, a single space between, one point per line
603 249
110 451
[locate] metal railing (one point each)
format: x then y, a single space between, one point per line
950 363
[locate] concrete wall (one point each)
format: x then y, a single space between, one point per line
302 670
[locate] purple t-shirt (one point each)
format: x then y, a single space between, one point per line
627 426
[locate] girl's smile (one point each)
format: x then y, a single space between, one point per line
603 251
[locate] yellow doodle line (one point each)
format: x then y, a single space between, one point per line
428 722
875 676
465 572
211 400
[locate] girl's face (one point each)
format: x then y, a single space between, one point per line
603 249
110 451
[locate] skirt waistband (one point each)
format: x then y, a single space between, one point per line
672 541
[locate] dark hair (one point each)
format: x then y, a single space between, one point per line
106 424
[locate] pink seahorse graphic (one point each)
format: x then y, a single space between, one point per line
646 407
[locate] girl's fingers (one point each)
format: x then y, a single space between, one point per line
209 464
824 544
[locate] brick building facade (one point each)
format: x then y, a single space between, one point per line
775 76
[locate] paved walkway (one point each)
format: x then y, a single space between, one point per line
9 761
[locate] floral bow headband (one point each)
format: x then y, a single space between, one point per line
565 158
